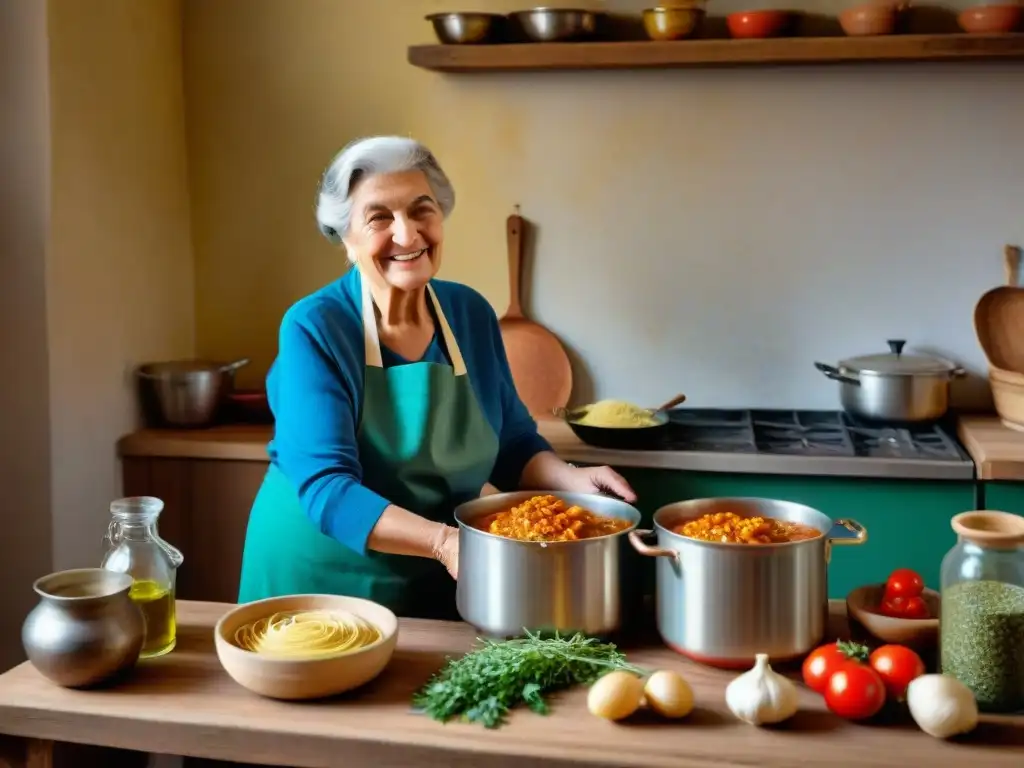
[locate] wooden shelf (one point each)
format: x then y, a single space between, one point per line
512 57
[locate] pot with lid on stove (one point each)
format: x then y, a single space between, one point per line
894 386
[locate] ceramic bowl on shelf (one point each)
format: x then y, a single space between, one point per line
759 24
870 19
309 678
673 21
920 634
991 19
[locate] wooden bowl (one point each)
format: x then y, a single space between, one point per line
920 634
294 679
758 24
1008 397
994 19
869 19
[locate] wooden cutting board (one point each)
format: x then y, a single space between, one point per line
540 367
999 318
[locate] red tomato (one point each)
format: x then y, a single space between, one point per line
897 665
904 582
894 607
823 661
855 691
916 608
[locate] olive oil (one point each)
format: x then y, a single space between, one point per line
157 604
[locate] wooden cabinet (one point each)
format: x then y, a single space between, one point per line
206 513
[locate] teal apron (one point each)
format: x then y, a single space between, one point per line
424 445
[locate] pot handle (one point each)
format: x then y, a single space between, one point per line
636 538
858 531
232 367
833 373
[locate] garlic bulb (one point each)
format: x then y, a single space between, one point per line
942 706
761 696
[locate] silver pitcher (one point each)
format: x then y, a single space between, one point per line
85 629
722 604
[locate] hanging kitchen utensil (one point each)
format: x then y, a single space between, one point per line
540 366
999 318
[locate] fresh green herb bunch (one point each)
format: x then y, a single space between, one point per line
483 685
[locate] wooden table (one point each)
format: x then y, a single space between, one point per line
185 704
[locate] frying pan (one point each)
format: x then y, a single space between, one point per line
622 438
999 318
540 366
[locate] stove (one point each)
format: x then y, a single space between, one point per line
825 443
806 433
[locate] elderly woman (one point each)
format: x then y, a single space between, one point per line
393 403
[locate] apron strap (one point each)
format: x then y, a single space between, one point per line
458 364
371 337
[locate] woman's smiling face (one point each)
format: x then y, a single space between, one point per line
396 230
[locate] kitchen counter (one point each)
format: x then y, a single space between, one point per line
248 443
184 703
997 450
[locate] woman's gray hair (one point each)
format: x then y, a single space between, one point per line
367 157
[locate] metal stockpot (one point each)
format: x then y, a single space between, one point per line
894 387
506 586
185 393
722 604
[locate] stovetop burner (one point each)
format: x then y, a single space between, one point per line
806 433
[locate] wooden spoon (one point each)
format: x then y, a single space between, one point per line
540 367
999 317
677 400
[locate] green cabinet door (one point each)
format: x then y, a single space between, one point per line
907 520
1005 497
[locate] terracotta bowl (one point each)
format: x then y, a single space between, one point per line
295 679
991 19
869 19
758 24
921 634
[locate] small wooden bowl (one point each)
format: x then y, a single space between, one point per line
1008 397
759 24
294 679
920 634
994 19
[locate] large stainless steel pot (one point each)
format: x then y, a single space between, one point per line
185 393
507 586
722 604
894 387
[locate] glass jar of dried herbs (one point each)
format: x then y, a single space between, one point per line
981 624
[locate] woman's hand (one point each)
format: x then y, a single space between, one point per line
598 480
445 549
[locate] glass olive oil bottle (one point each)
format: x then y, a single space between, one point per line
134 546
